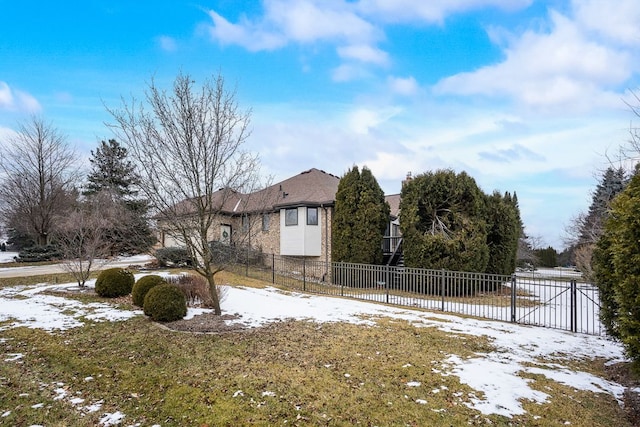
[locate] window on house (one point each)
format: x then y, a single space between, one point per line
312 216
291 216
245 223
265 222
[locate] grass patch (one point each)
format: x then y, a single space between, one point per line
293 372
299 372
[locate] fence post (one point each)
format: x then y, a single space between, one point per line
574 308
304 275
513 298
442 273
338 274
386 282
273 268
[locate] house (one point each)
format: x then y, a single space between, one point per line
291 218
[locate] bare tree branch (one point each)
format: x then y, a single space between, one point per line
40 171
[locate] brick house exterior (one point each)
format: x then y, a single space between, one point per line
292 217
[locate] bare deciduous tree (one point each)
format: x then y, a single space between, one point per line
39 174
82 234
188 144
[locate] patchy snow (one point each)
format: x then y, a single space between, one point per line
112 419
7 256
28 306
496 377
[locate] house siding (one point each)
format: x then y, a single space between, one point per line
300 239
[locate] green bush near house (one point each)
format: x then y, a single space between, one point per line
165 303
142 286
114 282
173 257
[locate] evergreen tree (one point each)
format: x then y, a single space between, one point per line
443 222
111 170
372 219
617 267
360 218
547 257
604 277
114 174
613 181
503 233
346 205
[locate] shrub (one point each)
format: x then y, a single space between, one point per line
194 288
142 286
165 303
173 256
39 253
114 282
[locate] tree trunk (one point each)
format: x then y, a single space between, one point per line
215 296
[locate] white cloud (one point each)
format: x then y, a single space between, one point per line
296 21
6 97
363 120
7 134
364 53
246 34
168 44
16 100
562 68
348 72
403 85
431 11
618 22
306 21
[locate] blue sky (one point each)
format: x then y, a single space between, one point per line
523 95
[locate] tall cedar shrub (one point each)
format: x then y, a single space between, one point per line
617 267
143 285
503 233
443 222
604 277
361 216
114 282
343 237
165 303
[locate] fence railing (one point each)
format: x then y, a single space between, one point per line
542 298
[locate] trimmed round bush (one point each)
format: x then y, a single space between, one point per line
114 282
165 303
142 286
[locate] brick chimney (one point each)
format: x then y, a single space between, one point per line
407 179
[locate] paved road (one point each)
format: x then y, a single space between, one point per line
40 270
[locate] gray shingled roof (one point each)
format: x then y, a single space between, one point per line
394 203
313 187
309 188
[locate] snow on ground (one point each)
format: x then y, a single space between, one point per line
494 375
7 256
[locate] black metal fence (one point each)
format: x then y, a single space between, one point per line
550 298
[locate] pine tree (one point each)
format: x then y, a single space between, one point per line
360 218
111 170
114 174
613 181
